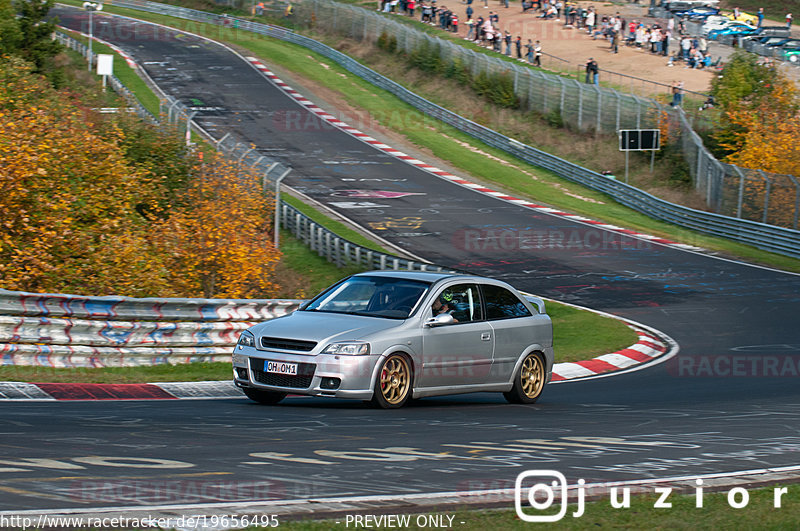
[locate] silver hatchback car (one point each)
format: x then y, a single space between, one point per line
387 336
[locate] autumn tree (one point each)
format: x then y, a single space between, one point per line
218 235
66 196
99 207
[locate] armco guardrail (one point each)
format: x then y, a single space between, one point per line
76 331
768 237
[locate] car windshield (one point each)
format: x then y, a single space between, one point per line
377 296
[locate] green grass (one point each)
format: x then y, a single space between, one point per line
579 335
404 119
316 271
714 515
189 372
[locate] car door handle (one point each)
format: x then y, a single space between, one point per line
486 336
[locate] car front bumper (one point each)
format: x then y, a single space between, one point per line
316 376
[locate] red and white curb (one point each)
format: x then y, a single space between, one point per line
321 113
94 391
648 348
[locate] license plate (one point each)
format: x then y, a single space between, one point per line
278 367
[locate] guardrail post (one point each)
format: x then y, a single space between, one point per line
796 199
766 195
741 192
599 112
382 262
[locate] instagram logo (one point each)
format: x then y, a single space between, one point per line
538 490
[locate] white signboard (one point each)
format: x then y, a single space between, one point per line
105 64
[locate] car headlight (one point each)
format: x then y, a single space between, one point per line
246 340
348 349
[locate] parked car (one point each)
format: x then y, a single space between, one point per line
715 22
697 13
388 336
746 18
734 28
792 55
767 40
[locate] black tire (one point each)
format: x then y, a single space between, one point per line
393 384
267 398
529 380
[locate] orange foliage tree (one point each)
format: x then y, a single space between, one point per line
82 212
218 236
767 135
66 196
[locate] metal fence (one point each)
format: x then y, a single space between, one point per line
572 99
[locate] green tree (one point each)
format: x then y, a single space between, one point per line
10 34
36 44
743 86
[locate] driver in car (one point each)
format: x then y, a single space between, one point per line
443 304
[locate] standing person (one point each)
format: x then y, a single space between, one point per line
590 18
411 6
592 71
677 93
665 43
789 20
537 54
760 16
518 44
736 13
471 26
686 45
507 39
615 41
529 51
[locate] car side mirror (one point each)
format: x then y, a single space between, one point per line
443 319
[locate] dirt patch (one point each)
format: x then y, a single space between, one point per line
568 49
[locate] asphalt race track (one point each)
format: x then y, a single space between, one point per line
729 401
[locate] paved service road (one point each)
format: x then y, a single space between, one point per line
728 401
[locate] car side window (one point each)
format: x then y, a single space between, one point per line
502 304
462 301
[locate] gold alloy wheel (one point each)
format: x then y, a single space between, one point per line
395 378
532 376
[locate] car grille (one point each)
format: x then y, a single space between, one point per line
305 373
288 344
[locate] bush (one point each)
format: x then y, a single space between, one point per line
387 42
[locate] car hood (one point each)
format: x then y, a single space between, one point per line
323 327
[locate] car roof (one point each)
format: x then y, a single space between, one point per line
425 276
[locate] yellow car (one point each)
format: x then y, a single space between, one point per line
746 18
